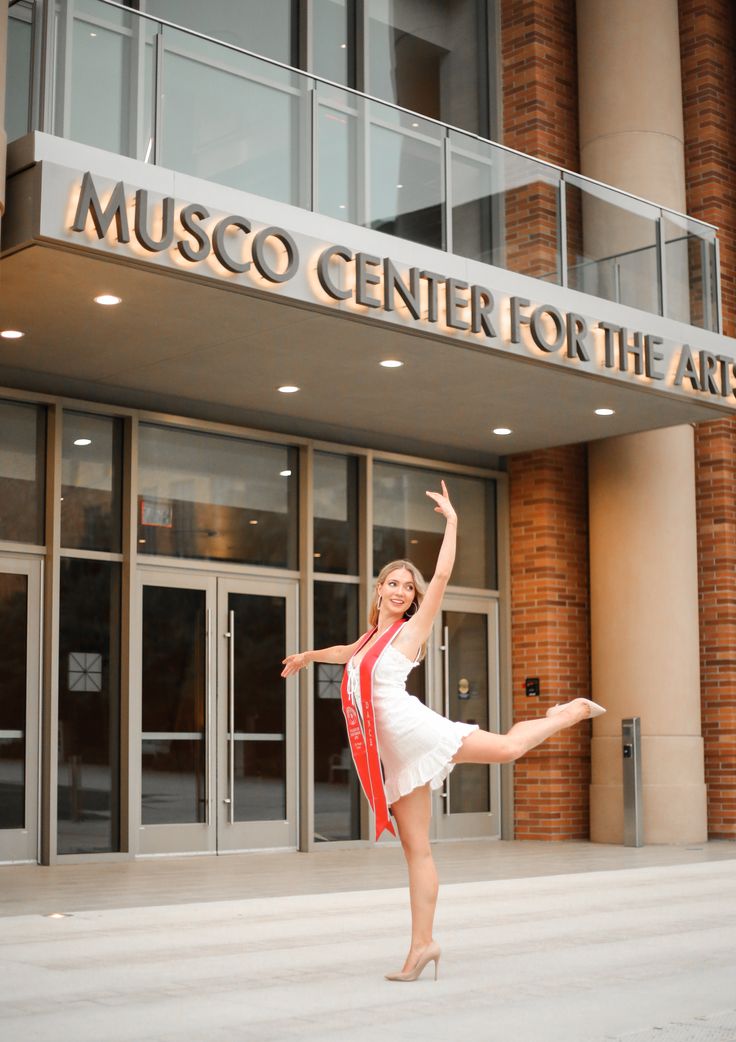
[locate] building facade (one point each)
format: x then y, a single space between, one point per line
267 272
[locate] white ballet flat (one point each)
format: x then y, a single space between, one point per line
595 709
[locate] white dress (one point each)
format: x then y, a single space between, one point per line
416 745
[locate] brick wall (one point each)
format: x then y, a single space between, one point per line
708 50
550 629
539 76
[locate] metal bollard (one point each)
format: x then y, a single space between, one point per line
633 809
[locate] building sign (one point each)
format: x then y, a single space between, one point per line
268 257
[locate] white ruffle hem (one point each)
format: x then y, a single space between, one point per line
416 744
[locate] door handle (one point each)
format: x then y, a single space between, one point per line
230 799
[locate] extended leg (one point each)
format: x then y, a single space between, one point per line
412 815
486 747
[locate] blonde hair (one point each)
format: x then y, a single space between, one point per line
420 588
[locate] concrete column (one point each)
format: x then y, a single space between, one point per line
643 548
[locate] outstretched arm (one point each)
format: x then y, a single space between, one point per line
338 653
419 626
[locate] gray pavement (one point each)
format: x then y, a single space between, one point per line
629 953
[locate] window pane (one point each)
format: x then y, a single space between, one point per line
336 786
89 707
217 498
430 58
22 462
267 29
335 514
13 641
18 78
91 482
173 691
231 118
332 44
406 527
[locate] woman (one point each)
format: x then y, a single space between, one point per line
418 747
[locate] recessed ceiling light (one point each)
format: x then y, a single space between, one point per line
604 412
12 334
415 124
288 389
341 206
82 441
93 34
399 186
252 521
343 46
317 555
108 299
413 542
502 430
285 473
141 540
391 363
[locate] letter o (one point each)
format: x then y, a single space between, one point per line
260 258
538 332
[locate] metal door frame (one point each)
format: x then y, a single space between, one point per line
23 845
233 836
476 825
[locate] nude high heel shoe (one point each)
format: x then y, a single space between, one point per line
430 954
595 709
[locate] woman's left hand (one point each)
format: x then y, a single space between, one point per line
444 506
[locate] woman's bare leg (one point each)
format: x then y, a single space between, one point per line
412 815
486 747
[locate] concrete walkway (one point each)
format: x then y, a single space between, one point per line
635 953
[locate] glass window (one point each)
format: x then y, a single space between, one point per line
173 691
13 640
218 498
332 36
91 482
22 462
89 707
336 785
232 118
430 57
268 29
18 78
406 527
335 514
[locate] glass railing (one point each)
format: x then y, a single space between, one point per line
141 87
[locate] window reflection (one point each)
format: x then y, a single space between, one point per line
89 707
336 786
406 527
22 462
430 58
13 641
217 498
268 29
335 513
91 482
173 682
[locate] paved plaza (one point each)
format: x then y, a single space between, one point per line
609 944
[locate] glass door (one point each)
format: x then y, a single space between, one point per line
257 715
466 665
20 658
177 672
218 723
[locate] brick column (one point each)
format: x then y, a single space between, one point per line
708 56
550 634
540 117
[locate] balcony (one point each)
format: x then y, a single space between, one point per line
134 85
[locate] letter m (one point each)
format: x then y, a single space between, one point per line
89 201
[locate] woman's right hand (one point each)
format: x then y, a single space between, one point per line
444 506
293 663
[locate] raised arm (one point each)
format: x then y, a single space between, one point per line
418 628
338 653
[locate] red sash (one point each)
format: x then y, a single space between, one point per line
362 728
